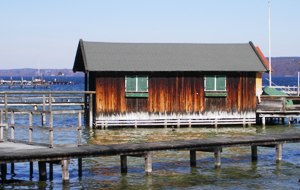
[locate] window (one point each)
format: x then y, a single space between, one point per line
136 86
215 85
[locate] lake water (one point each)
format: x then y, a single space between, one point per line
171 169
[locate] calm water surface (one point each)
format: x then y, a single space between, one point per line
171 169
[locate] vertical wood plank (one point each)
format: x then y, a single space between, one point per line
79 167
123 162
79 130
254 153
148 162
91 110
65 170
278 152
193 158
12 126
30 170
51 171
12 168
3 172
217 154
42 171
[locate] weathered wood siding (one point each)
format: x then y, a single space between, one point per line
175 93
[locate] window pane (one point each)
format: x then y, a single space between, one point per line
221 82
210 83
130 83
143 84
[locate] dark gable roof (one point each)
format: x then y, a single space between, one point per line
99 56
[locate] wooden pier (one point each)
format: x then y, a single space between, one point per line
278 107
46 104
13 152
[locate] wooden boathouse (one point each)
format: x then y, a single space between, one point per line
165 84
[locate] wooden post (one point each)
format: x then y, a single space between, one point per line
254 153
43 113
51 171
42 171
193 157
31 169
3 172
30 129
79 167
1 126
135 123
51 130
91 110
65 170
283 104
1 133
123 163
148 162
216 122
79 131
12 126
263 121
12 168
278 152
1 114
50 102
190 123
6 109
217 157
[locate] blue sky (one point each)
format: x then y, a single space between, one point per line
45 34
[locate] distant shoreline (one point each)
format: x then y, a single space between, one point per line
30 72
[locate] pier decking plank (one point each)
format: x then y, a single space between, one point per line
26 153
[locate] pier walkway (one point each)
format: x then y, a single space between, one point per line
14 152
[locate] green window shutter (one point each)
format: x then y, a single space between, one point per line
221 83
210 83
130 84
142 84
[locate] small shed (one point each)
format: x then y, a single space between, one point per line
169 83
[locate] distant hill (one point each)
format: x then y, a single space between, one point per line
282 66
39 72
285 66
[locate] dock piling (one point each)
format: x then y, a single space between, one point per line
12 168
42 171
148 162
12 126
217 154
278 152
123 163
3 172
65 170
30 170
254 153
50 171
79 130
79 167
193 158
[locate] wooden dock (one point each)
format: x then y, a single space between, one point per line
12 152
46 104
278 107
